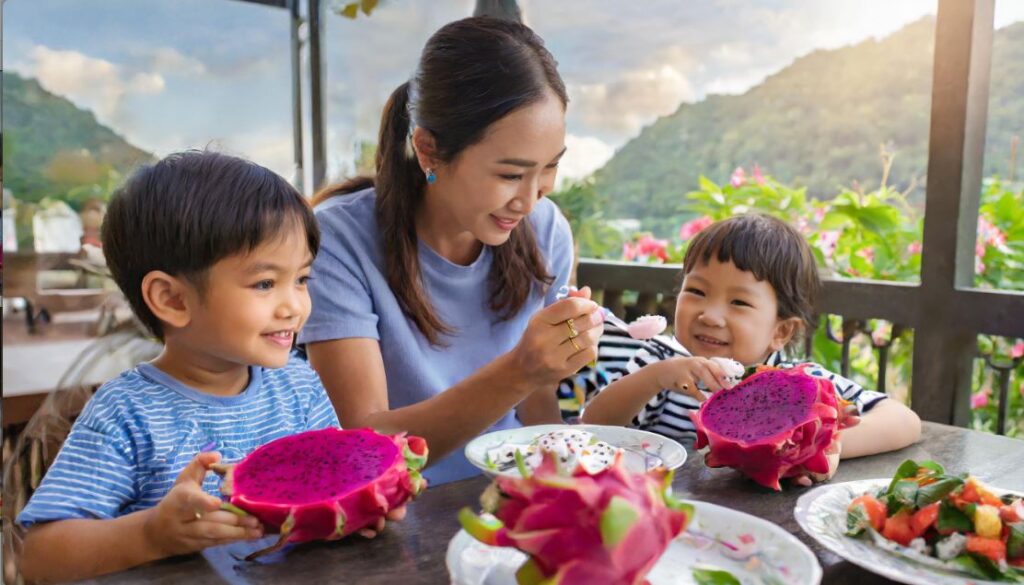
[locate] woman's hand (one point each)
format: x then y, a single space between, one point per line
682 374
189 520
553 347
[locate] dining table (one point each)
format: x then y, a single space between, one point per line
412 551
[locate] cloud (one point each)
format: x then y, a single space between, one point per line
583 155
168 60
635 98
91 83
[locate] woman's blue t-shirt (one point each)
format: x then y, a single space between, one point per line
352 298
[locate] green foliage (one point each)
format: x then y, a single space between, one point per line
40 128
876 235
810 122
582 206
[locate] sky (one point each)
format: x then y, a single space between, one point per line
173 74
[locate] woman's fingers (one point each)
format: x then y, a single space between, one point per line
568 308
581 358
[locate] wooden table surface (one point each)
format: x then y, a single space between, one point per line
413 551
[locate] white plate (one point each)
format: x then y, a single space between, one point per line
641 447
821 512
775 557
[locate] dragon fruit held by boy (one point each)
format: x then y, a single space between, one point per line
777 423
607 527
326 484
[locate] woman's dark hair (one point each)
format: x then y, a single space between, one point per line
773 251
190 210
472 73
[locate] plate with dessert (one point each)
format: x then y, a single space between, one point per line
593 447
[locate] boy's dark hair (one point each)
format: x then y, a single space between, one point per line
183 214
773 251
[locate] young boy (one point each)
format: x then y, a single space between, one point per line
213 253
749 285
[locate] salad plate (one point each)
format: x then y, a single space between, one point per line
932 550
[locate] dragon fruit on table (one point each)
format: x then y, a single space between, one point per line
326 484
607 527
777 423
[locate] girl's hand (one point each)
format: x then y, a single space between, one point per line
832 453
848 417
681 374
553 347
189 520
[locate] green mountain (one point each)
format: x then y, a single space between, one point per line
820 123
51 145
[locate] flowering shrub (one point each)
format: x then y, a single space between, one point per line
874 235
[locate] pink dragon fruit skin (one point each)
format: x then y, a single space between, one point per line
777 423
606 527
326 484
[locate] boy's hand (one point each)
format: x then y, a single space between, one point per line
189 520
681 374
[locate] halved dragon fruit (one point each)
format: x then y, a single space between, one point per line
777 423
326 484
606 527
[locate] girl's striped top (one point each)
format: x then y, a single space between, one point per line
667 413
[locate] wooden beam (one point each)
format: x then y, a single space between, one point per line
944 346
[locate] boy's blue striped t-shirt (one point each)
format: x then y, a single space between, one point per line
142 428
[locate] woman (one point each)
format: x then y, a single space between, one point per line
433 294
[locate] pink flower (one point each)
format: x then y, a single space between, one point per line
1018 350
979 266
979 399
989 233
880 334
739 176
819 214
628 251
827 241
692 228
758 177
867 253
1021 389
802 226
649 247
914 248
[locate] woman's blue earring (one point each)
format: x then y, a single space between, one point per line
431 177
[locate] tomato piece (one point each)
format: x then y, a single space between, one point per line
924 519
1010 513
873 508
898 529
970 493
992 548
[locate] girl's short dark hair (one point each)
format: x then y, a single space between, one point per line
185 213
773 251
